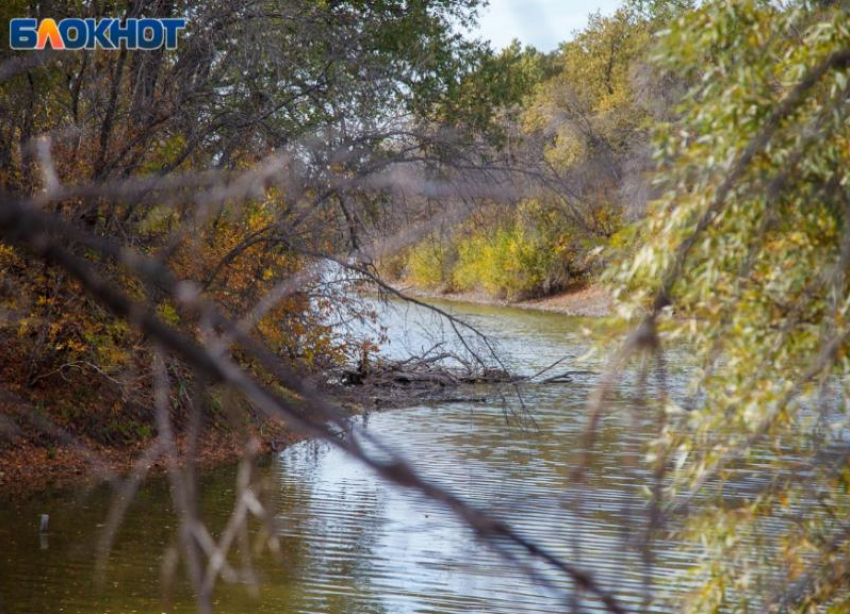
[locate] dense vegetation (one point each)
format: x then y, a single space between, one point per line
748 244
576 133
248 79
692 157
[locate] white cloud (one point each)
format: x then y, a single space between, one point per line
542 23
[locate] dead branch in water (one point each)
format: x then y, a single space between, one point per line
436 377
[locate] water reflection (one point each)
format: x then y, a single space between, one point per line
353 545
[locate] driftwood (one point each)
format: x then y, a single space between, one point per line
563 378
432 373
431 378
420 374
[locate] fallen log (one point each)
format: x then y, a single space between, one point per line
564 378
420 373
413 374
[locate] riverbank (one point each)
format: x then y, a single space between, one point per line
592 301
32 460
37 458
29 465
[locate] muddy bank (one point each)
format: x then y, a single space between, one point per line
28 466
591 301
33 461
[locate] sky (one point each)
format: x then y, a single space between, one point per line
541 23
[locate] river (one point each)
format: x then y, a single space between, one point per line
352 544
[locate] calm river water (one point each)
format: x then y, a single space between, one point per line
353 545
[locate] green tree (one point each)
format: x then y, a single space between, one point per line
745 258
335 86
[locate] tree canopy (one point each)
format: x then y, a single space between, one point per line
743 257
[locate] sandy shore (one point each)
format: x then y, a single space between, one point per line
589 301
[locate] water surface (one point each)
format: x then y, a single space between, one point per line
352 544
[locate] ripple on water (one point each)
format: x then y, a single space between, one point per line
354 545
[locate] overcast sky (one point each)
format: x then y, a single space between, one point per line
542 23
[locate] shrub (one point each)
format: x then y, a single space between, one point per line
430 263
532 253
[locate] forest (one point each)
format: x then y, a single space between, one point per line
609 282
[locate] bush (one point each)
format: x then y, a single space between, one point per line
511 262
431 262
524 253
